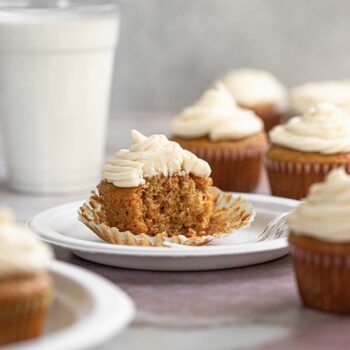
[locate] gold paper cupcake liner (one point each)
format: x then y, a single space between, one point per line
233 169
323 278
22 319
293 180
230 214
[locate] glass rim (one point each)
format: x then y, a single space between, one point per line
60 5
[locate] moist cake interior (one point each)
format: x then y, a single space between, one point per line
179 204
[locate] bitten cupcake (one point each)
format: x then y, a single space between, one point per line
305 149
261 92
320 244
307 95
155 193
231 139
25 286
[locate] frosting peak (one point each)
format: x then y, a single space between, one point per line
255 86
20 251
324 128
324 213
217 116
307 95
151 156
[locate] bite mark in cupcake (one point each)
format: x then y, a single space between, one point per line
156 191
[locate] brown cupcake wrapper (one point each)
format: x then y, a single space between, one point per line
237 208
233 169
323 279
23 319
293 180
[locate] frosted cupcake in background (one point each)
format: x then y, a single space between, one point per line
25 286
306 148
320 244
261 92
231 139
307 95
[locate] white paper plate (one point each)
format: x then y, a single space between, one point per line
61 227
87 310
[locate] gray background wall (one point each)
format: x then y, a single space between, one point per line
170 50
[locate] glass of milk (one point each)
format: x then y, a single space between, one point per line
56 68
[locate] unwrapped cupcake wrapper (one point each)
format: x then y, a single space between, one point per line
230 214
323 279
293 180
23 319
233 169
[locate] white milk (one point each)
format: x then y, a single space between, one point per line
56 69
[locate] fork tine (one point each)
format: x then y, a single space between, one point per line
277 225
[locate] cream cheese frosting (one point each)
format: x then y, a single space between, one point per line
324 128
217 116
20 251
332 91
151 156
251 87
324 213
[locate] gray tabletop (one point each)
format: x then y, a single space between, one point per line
254 307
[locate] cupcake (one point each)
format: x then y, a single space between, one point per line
305 149
231 139
261 92
25 286
156 192
319 243
336 92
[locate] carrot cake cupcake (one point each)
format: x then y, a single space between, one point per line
231 139
320 244
261 92
305 149
307 95
25 286
156 191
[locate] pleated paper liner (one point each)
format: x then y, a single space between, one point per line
22 315
322 271
230 214
293 180
232 169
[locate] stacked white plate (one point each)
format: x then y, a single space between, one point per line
87 310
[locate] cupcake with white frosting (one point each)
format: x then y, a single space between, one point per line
261 92
320 244
155 192
231 139
307 95
306 148
25 286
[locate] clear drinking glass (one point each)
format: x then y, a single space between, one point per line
56 68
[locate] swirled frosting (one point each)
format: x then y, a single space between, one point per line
325 212
324 128
151 156
20 251
217 116
255 86
336 92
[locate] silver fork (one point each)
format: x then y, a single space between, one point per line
277 226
